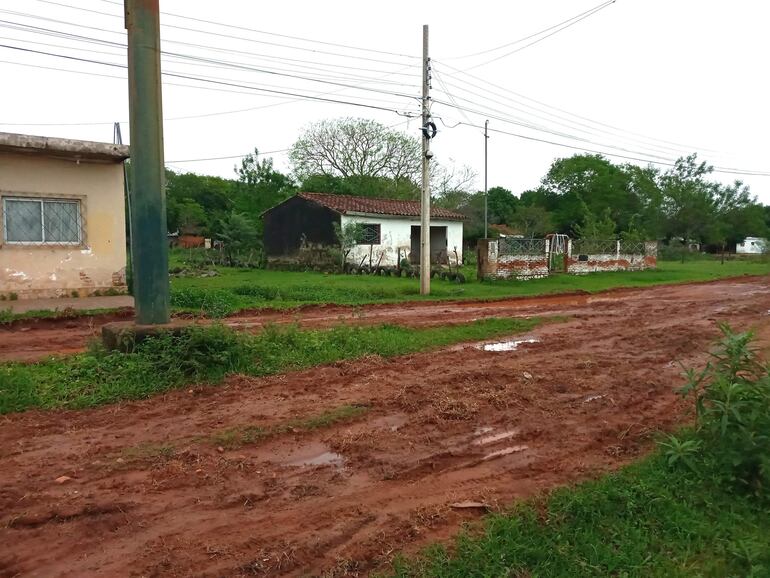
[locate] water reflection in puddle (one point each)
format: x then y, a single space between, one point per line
511 345
505 452
391 422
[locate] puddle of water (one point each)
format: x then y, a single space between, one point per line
496 437
504 452
313 454
511 345
325 458
391 422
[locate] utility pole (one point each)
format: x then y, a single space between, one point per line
426 156
486 189
149 242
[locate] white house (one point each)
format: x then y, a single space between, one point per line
390 228
751 246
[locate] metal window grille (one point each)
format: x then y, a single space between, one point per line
370 234
30 221
514 246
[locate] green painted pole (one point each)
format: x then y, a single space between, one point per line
149 242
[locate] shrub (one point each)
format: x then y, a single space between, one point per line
732 402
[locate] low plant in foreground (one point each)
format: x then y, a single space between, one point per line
682 512
206 354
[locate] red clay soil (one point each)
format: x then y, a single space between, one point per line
157 487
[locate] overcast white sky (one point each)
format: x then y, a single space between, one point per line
690 72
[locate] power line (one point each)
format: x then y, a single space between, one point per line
509 91
226 157
533 35
276 34
232 37
217 82
668 162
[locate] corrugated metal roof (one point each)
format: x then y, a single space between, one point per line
345 204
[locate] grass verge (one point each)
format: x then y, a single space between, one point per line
238 289
207 354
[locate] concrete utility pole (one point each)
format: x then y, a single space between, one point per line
486 190
426 156
149 242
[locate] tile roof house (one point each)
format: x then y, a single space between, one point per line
390 228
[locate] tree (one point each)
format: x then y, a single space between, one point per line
356 147
191 217
594 227
501 204
532 221
689 205
259 186
238 234
348 237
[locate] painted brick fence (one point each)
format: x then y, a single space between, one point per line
511 258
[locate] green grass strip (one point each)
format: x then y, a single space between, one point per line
645 521
207 354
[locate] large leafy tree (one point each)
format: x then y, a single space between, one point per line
355 147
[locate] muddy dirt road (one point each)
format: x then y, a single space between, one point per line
164 487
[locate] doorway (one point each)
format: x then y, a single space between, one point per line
438 245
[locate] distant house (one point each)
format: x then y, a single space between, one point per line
751 246
390 228
62 217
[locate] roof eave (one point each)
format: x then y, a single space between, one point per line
77 150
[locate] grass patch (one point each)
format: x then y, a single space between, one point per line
207 354
237 289
647 520
236 437
8 317
699 506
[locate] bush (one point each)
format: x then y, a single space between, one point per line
732 402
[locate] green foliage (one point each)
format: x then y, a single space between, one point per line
348 237
240 237
732 400
531 221
594 227
207 354
214 303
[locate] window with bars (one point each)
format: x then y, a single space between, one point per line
30 221
370 234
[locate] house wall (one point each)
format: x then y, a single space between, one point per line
99 263
295 220
396 235
751 246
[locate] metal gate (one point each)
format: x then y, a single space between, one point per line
557 252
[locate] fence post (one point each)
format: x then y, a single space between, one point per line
617 250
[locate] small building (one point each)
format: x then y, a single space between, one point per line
751 246
389 228
62 217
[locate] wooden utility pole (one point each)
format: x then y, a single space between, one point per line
426 156
149 236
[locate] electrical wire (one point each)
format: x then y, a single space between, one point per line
587 13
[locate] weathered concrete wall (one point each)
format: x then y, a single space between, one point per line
493 265
595 263
99 262
396 236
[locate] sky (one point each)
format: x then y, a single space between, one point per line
651 80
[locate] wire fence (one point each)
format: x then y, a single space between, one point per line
632 247
594 247
513 246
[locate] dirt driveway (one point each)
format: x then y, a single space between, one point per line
155 489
